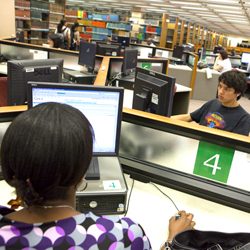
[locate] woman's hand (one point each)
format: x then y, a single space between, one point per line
184 221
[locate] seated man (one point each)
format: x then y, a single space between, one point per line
224 112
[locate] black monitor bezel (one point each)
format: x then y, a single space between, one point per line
129 54
16 67
165 105
89 63
32 85
120 41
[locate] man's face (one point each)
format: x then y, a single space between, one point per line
226 95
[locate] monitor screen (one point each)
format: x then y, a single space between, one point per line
129 60
191 59
210 60
22 71
153 92
245 57
87 52
202 53
178 51
108 49
101 105
124 41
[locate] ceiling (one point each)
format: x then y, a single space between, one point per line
229 17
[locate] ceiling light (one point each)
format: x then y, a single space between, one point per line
193 8
185 3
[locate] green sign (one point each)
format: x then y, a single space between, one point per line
146 65
213 161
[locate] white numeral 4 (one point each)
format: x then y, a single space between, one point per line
214 166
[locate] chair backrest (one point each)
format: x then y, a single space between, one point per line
3 91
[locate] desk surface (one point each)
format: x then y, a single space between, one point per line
152 210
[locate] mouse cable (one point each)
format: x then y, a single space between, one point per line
128 201
165 195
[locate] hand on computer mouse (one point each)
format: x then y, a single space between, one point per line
183 222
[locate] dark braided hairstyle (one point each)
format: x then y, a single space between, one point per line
46 150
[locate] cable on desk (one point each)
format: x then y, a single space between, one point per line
132 186
165 195
114 77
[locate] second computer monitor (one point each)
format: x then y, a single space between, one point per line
153 92
87 52
22 71
178 51
124 41
129 61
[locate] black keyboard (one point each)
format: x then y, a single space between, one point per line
93 172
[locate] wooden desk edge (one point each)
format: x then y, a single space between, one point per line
188 125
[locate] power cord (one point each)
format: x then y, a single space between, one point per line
114 77
128 202
165 195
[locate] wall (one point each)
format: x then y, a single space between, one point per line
7 18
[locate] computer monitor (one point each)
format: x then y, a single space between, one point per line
124 41
129 61
22 71
188 47
153 92
108 49
87 52
202 54
101 105
178 51
245 58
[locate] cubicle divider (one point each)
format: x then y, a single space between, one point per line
201 161
180 155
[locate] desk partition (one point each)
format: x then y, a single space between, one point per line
194 159
208 163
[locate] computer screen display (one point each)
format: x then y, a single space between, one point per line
124 41
101 105
153 92
87 52
129 60
22 71
245 57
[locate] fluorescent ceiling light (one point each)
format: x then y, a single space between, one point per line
193 8
217 6
239 21
229 11
223 1
185 3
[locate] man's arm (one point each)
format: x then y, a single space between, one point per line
183 117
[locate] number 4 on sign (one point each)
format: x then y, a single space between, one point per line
215 160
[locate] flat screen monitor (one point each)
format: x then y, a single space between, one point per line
124 41
129 61
87 52
101 105
188 47
108 49
22 71
153 92
245 58
178 51
202 53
